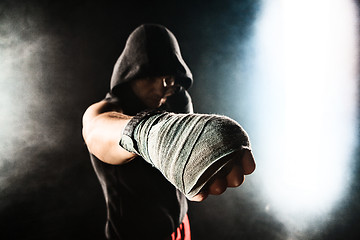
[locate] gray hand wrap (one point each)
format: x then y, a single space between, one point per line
184 146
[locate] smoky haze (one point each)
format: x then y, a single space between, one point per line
29 122
40 169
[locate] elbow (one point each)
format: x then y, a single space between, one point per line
105 149
101 136
88 131
85 134
88 140
87 123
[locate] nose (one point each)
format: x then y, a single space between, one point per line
165 84
168 81
168 84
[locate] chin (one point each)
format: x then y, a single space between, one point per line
153 105
156 103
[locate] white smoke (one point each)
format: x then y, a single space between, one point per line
26 113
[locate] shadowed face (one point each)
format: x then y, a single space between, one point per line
153 91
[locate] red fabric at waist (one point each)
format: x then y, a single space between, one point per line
182 232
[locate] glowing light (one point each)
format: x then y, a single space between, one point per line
305 104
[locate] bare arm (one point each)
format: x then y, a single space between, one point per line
103 124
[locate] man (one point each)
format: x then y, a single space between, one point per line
149 162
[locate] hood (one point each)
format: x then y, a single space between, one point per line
151 50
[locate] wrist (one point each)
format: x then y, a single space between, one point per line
128 139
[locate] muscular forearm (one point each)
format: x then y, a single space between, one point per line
102 131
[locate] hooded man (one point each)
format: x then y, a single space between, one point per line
150 151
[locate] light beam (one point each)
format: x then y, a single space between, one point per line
304 106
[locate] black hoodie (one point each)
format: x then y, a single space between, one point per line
141 203
150 51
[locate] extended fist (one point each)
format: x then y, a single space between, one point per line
241 163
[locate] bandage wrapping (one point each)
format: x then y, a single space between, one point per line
184 146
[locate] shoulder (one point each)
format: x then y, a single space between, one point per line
103 106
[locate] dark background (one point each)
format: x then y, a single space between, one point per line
48 189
